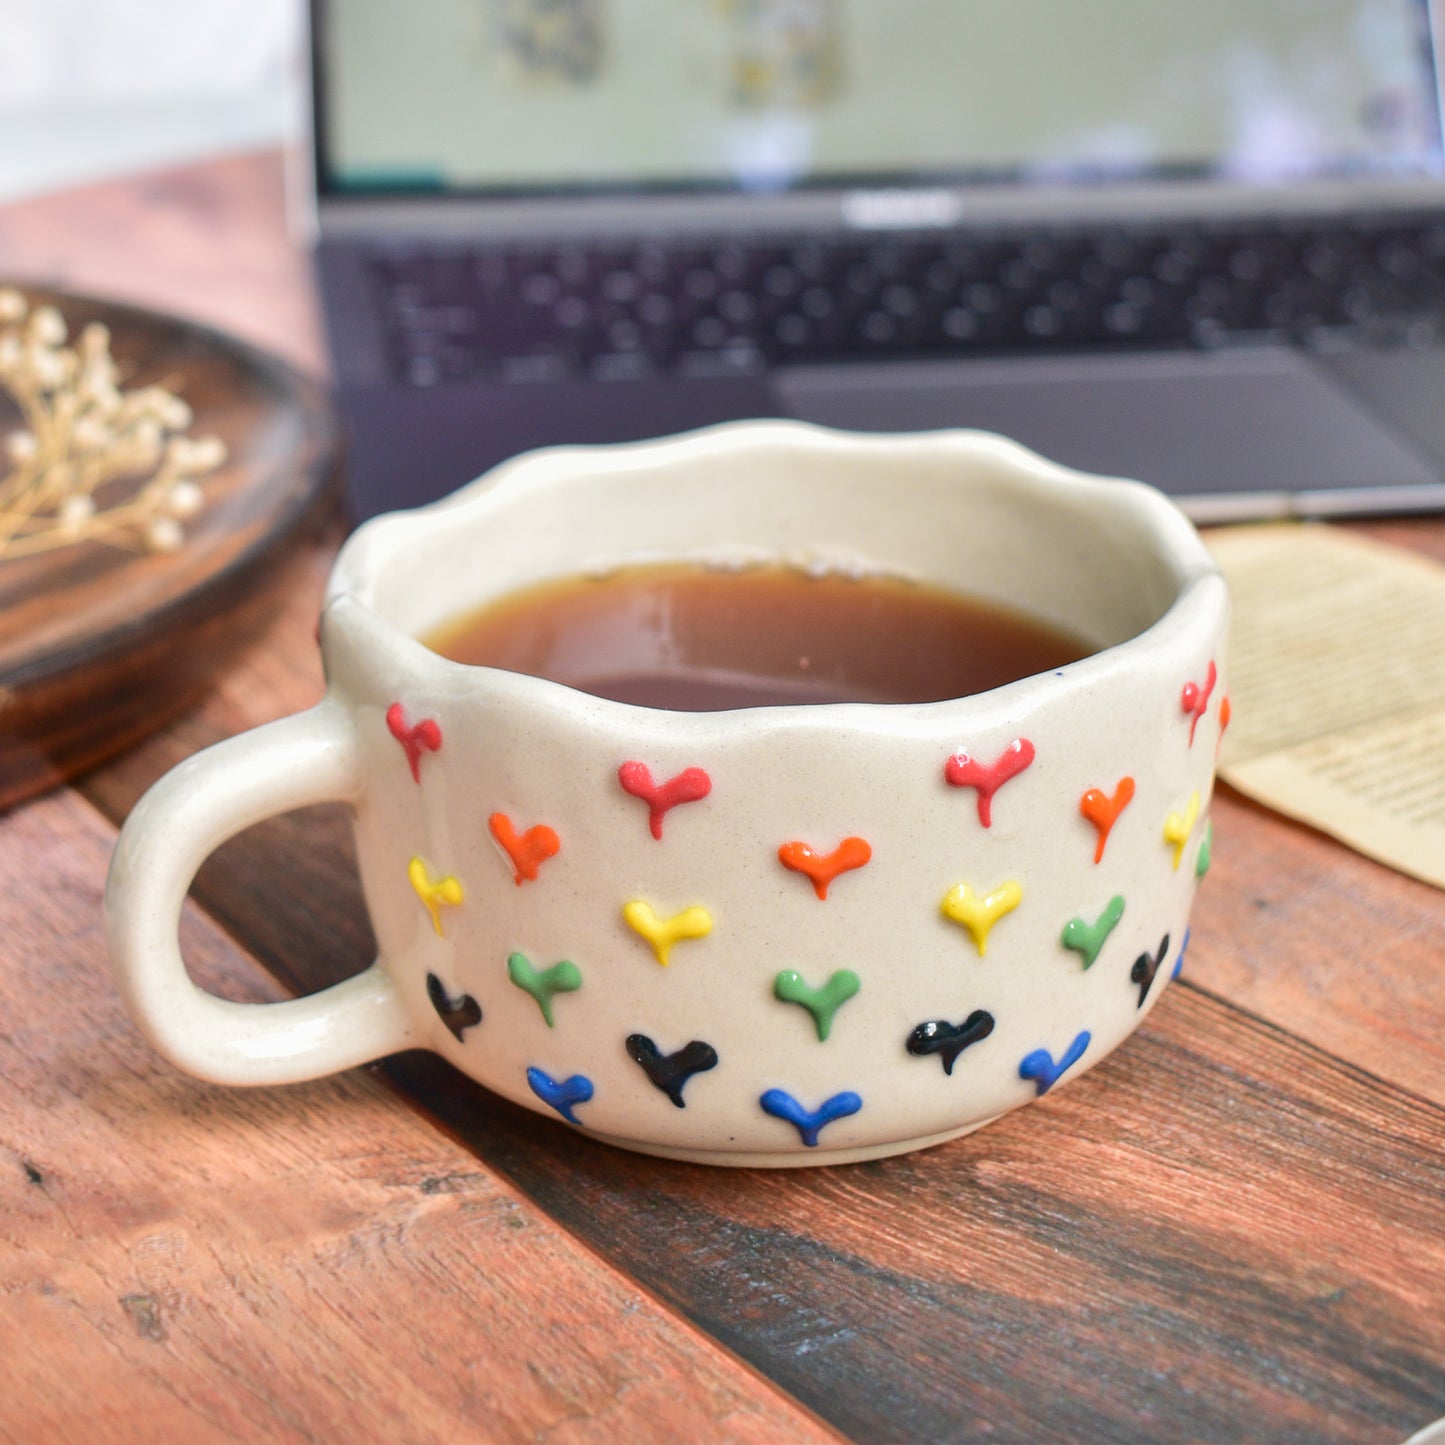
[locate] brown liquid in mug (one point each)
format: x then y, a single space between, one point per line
699 639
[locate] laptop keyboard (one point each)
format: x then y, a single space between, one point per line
734 308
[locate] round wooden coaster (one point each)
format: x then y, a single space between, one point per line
99 645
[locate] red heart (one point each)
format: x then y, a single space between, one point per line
965 771
823 868
529 850
426 734
1194 700
687 787
1103 811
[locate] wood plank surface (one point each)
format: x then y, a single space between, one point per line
180 1262
1230 1230
1222 1232
1218 1234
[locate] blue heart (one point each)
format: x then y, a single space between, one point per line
1041 1068
561 1096
782 1105
1179 962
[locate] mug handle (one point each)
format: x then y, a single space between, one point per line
309 758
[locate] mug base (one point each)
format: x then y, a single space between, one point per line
800 1158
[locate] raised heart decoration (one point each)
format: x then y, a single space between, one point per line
1102 810
562 1094
670 1072
1179 962
978 913
662 932
823 868
823 1001
1205 854
1045 1070
809 1122
948 1041
1194 700
963 770
529 850
425 736
543 983
459 1014
689 786
1178 827
1085 938
1145 967
434 893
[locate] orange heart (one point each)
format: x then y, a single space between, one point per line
823 868
529 850
1103 811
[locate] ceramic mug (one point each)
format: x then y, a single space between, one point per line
766 936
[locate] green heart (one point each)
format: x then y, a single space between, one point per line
791 987
562 977
1086 939
1206 852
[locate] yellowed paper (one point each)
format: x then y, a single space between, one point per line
1337 687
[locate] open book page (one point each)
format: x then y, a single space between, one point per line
1337 687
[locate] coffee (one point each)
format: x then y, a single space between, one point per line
698 639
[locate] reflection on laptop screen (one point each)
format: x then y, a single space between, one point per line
509 96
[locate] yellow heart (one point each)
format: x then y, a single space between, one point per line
662 933
434 892
963 906
1178 827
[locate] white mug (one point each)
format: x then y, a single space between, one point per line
767 936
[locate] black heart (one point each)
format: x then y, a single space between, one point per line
458 1014
1145 968
669 1072
947 1040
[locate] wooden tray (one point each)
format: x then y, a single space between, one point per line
99 646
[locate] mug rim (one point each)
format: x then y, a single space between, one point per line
1201 587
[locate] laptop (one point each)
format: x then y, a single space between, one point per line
1199 244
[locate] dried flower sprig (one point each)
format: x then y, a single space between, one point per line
90 462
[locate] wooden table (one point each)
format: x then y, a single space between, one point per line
1231 1230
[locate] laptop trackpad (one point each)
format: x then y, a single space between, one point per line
1193 423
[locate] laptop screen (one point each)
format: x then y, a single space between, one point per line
519 97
